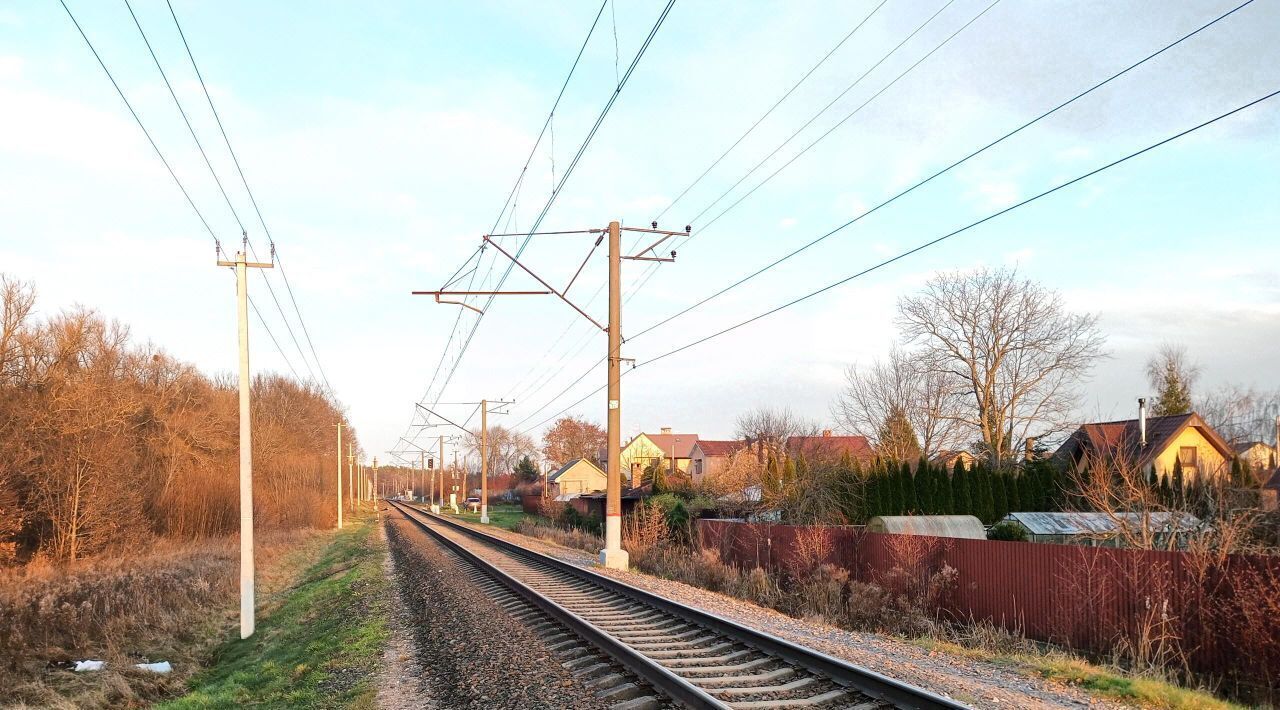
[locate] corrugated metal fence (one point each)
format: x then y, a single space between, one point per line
1222 615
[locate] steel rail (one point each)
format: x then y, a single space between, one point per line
659 677
841 672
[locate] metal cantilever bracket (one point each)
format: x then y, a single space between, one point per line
438 294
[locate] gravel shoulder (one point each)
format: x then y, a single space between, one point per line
473 653
978 683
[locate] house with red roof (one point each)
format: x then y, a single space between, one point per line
829 447
710 456
1151 442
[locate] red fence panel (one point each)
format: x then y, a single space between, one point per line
1221 615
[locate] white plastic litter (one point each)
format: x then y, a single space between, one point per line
161 667
89 666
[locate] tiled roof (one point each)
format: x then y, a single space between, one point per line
683 444
559 472
1121 439
856 446
712 447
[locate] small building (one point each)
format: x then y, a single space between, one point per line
1150 442
1101 529
967 527
592 505
710 456
577 477
1257 455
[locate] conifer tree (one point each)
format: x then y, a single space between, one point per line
926 487
913 490
1179 486
1013 494
1026 492
1171 374
999 495
905 492
985 490
960 485
946 489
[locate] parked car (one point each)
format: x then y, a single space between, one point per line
472 504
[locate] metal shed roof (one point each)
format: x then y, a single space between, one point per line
1100 523
963 526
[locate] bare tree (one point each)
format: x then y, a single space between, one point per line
1171 375
104 444
1241 413
766 430
1011 347
901 387
506 447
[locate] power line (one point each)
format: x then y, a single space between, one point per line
138 120
863 105
948 168
199 146
961 230
568 172
253 200
159 154
775 105
653 268
928 244
512 195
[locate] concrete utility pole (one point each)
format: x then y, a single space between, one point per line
436 508
484 462
351 477
612 555
453 480
377 492
242 266
339 475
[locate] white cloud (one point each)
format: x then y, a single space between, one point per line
788 222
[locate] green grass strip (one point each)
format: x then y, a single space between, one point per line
319 647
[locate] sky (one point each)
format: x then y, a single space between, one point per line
381 141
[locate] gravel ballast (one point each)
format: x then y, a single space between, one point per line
473 652
977 683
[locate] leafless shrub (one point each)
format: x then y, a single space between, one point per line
811 549
644 531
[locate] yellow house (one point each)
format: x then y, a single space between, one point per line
645 448
1149 442
577 477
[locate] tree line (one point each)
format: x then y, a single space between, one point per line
106 443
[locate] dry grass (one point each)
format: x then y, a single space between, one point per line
577 539
170 605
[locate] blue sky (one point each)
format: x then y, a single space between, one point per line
382 138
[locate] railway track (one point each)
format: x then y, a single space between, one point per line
694 658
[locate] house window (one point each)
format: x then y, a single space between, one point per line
1187 457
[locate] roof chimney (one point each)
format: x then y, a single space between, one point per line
826 432
1142 421
666 430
